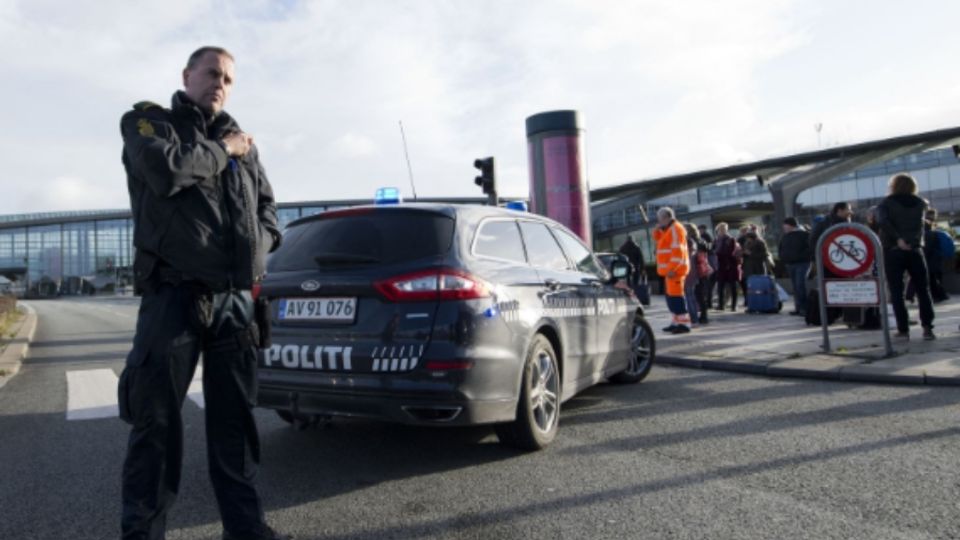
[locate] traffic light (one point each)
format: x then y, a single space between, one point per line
487 180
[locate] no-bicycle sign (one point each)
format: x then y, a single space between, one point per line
848 252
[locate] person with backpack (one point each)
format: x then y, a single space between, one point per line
700 271
712 261
901 219
937 247
794 251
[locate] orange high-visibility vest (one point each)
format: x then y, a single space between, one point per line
672 256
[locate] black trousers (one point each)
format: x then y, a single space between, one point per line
898 262
721 288
700 292
171 334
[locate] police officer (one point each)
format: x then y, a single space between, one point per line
204 220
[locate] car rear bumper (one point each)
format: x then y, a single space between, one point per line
401 408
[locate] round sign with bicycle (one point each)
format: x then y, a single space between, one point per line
847 252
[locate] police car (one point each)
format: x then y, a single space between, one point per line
441 314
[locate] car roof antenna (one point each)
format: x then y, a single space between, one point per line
406 153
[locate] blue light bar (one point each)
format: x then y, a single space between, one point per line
519 206
388 195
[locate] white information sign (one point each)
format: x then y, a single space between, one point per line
852 292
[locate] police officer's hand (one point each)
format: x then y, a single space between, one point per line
238 143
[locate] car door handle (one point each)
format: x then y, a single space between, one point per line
552 284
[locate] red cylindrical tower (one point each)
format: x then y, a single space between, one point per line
558 172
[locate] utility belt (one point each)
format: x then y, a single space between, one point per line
256 335
240 341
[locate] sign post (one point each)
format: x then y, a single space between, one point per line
850 251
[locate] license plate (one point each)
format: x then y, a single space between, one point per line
318 309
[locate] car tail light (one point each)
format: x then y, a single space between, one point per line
438 284
255 290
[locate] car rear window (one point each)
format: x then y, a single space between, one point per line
363 237
500 240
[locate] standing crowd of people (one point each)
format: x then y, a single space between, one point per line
704 272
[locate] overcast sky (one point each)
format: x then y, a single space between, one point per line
666 86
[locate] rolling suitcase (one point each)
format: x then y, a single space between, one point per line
762 295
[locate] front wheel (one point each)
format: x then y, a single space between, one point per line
643 349
538 410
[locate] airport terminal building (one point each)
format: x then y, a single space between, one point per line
747 200
88 252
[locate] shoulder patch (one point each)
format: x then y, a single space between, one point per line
145 128
145 105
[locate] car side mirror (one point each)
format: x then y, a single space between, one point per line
620 269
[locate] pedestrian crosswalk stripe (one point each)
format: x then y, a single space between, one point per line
195 390
91 394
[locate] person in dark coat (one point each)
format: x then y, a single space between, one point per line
901 218
728 269
842 213
204 220
635 255
934 255
711 281
755 255
794 251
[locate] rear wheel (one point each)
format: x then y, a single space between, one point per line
538 410
643 349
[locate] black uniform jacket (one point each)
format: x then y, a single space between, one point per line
208 216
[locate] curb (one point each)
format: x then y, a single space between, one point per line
854 373
19 347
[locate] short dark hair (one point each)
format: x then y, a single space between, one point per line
840 206
791 221
903 184
199 53
931 214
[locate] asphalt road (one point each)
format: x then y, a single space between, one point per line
686 454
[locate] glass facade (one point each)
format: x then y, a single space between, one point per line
82 256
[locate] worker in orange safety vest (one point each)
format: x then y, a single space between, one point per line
673 264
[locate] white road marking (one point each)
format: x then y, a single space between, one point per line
91 394
195 390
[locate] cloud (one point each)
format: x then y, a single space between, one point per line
351 145
664 86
